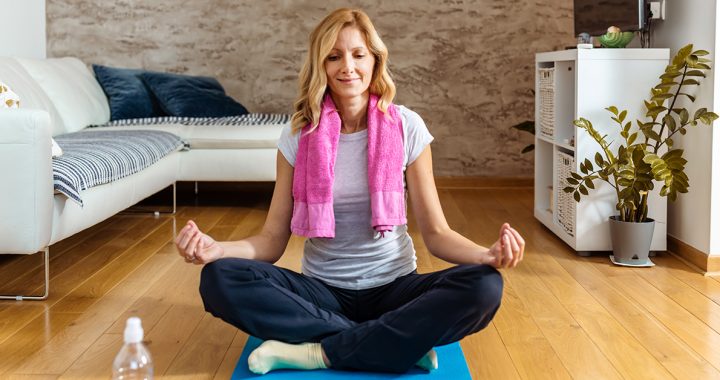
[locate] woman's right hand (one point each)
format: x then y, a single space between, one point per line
196 247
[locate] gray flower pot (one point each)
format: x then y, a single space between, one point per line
630 240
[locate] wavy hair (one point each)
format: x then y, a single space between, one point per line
313 78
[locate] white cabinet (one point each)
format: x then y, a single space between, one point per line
581 83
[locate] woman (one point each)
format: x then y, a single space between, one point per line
341 171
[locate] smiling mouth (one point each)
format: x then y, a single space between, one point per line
348 80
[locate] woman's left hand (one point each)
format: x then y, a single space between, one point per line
508 250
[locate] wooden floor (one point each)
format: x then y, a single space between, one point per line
562 316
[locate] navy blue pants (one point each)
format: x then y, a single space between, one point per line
387 328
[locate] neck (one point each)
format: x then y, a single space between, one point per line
353 112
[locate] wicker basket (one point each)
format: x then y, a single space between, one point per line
546 88
566 205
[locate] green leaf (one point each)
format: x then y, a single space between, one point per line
691 60
662 97
583 123
588 164
681 55
576 176
708 117
699 113
701 52
622 116
569 189
572 181
701 66
528 148
589 183
650 134
576 195
695 73
692 98
684 116
583 190
690 82
669 142
670 75
669 120
613 109
632 138
655 110
598 159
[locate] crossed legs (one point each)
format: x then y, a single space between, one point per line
387 329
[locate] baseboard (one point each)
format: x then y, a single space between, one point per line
482 182
710 265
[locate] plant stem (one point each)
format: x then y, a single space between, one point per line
669 111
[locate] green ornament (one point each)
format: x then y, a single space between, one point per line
616 39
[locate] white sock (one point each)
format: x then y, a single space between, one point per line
428 362
276 355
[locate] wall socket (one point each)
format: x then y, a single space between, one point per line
657 8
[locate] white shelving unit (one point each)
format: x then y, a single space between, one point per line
581 83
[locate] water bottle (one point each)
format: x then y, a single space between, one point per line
133 362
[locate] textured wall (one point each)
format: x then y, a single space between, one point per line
466 66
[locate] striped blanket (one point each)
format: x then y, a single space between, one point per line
247 119
92 158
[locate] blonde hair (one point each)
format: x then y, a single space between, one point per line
313 78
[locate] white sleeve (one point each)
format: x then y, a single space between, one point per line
288 144
417 135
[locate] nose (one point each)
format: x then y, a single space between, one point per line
348 65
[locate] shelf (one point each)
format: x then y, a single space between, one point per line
604 54
551 141
569 84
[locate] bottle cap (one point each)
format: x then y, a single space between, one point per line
133 330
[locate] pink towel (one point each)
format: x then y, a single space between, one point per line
313 214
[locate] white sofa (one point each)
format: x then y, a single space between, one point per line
60 96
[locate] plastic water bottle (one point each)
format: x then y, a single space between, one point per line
133 362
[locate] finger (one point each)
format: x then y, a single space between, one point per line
180 234
503 227
189 234
507 255
192 247
515 247
521 243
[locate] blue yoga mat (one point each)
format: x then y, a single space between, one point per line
450 358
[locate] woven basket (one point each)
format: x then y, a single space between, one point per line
546 87
566 205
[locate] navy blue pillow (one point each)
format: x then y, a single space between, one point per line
191 96
127 94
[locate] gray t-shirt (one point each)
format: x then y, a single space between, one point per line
354 259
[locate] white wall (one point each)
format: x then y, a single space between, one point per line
715 171
22 28
690 218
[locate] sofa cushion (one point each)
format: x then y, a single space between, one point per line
96 157
128 95
249 131
76 94
32 95
191 96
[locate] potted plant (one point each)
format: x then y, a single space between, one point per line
646 156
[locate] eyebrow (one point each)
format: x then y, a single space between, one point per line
355 48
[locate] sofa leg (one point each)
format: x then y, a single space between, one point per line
46 261
196 188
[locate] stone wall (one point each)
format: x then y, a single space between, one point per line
466 66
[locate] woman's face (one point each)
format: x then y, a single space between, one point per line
349 66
